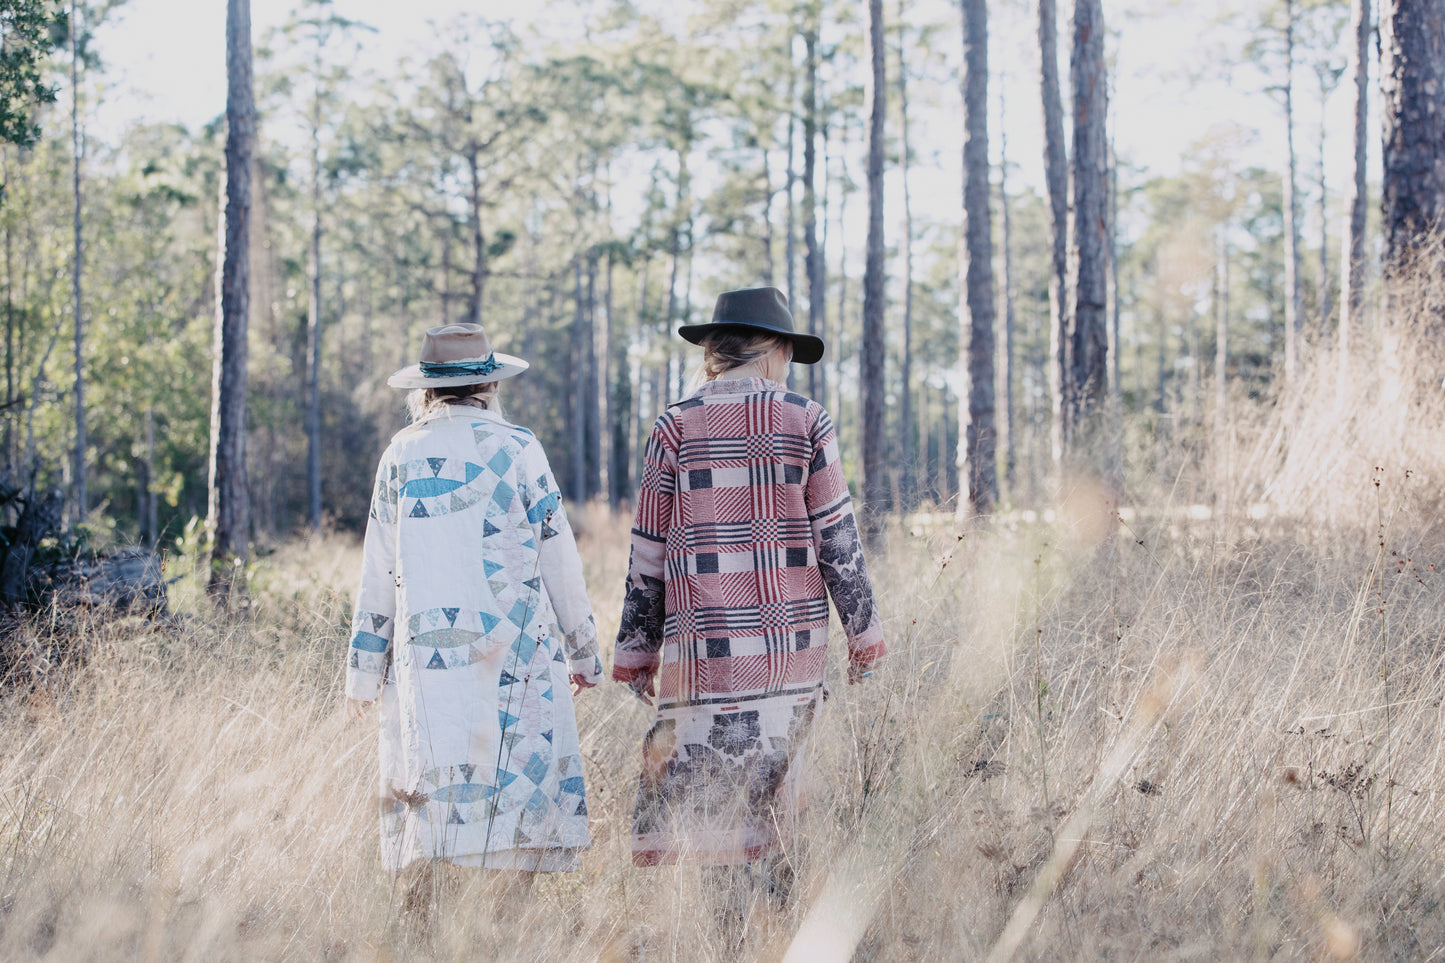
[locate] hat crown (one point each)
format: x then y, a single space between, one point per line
451 343
765 306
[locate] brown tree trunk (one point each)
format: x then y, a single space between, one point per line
1010 414
1412 84
229 508
871 363
977 459
588 374
813 256
1056 176
479 241
907 457
1291 211
1090 244
1352 273
82 497
313 323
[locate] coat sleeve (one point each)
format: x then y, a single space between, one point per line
560 565
374 621
639 637
840 551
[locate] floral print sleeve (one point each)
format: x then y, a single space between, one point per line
639 637
840 551
374 620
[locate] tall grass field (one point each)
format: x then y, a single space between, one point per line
1205 726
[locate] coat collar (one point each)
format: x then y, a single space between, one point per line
736 386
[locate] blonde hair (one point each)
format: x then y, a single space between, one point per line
424 401
727 349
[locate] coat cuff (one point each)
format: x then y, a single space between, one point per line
867 649
362 685
589 668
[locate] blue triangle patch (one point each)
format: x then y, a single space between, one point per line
507 679
506 718
472 470
451 615
489 529
437 662
436 464
582 808
548 532
535 584
529 544
419 511
467 769
547 735
505 778
377 621
488 620
455 819
548 696
491 568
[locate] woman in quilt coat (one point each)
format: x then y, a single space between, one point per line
471 620
744 528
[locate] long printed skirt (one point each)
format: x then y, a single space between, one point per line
719 781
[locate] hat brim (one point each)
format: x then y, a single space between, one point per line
807 348
411 376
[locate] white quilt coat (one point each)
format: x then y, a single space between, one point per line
469 569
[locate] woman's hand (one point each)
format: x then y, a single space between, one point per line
644 688
579 682
857 673
356 709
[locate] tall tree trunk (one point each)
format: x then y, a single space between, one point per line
791 244
1090 243
313 324
1412 83
1056 177
619 471
82 497
1010 414
578 455
229 508
147 507
1291 211
1352 273
589 375
767 238
827 379
1221 342
871 367
479 241
813 257
1323 288
906 455
976 404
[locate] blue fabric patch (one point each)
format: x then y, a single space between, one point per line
429 487
542 508
367 642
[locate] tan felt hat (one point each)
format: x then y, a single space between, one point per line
457 354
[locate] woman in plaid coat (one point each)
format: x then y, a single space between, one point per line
744 529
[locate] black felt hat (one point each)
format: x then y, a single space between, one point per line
764 310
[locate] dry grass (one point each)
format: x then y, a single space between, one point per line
1182 738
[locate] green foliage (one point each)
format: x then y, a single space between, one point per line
29 29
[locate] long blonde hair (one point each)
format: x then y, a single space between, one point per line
727 349
424 401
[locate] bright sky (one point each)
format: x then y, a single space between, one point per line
166 61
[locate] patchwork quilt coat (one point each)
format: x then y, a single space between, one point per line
744 529
470 618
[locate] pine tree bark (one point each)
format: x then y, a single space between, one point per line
1056 177
872 358
1412 85
1292 304
1010 461
82 496
1352 273
1089 246
907 457
313 319
588 374
813 264
977 460
229 512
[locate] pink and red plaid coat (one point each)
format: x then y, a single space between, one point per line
744 529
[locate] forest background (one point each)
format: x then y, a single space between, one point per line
1135 351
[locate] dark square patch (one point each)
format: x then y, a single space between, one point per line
719 648
803 639
699 478
796 558
793 474
707 563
